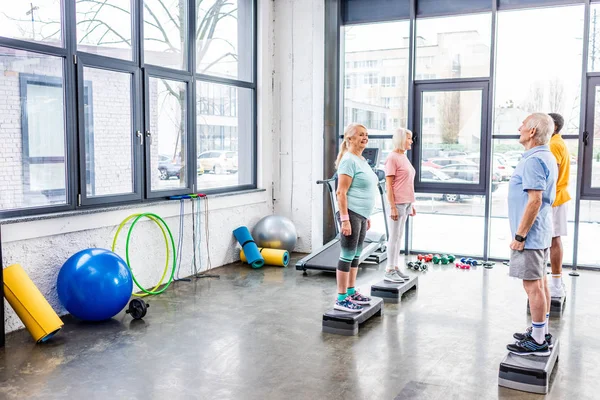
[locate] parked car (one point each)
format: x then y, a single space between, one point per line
445 161
430 174
502 167
168 168
219 161
466 172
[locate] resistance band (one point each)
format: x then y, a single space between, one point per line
156 219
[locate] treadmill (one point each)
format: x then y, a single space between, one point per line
374 247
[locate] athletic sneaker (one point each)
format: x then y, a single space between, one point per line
402 275
347 305
529 346
557 291
527 333
393 276
358 298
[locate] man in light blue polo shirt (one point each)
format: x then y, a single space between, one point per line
531 192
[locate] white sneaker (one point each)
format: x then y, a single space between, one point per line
392 276
557 291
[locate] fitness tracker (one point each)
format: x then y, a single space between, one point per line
520 238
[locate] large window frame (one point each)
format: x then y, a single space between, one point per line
338 15
590 192
76 93
452 86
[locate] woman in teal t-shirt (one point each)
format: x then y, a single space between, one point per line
356 194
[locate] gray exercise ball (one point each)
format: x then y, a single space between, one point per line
275 232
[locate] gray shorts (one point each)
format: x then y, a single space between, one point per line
529 265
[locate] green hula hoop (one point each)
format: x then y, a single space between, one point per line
162 229
137 218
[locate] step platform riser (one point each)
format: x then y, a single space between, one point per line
528 373
557 306
392 292
348 324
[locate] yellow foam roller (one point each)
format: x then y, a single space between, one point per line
29 304
276 257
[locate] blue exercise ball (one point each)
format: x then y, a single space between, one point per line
94 284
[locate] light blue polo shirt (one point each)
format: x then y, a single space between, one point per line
537 170
363 189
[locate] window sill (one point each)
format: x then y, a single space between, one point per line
28 227
96 210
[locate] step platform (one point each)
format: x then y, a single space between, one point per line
347 323
557 306
528 373
392 292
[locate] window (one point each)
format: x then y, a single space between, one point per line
522 87
39 21
104 28
33 159
108 133
367 46
168 126
451 130
224 136
224 32
454 47
126 119
165 38
462 215
589 231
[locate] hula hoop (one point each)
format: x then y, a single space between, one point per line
167 248
156 219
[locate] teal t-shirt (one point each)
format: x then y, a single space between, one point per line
363 189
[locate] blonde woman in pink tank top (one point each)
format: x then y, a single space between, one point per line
400 187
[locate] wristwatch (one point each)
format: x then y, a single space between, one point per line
520 238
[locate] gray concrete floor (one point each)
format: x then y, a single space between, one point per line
256 334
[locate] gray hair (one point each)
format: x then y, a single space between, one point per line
399 138
543 125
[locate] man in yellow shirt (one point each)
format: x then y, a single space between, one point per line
558 147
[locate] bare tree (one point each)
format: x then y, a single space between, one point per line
556 92
96 23
449 115
535 98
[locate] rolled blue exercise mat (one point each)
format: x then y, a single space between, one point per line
244 238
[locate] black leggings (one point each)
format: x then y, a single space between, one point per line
352 245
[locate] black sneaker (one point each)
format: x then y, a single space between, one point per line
529 346
527 333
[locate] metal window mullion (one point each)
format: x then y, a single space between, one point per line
583 116
71 98
489 137
410 120
255 91
191 114
33 47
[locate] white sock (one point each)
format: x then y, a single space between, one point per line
557 281
538 331
547 326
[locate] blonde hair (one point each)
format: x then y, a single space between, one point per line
348 133
399 138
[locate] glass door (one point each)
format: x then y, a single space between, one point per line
591 141
450 156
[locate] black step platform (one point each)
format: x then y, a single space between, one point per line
347 323
392 292
557 306
528 373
